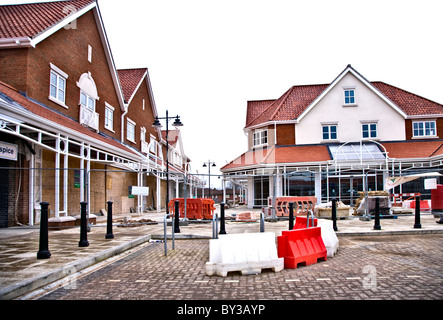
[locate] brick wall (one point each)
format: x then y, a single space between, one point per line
68 50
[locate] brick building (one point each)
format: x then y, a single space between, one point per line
81 130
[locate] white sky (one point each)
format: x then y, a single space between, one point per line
207 58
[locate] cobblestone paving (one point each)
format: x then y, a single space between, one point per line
379 267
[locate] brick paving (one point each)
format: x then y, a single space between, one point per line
399 267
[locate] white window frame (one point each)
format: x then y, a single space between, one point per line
89 101
349 103
130 134
153 145
109 117
59 74
369 129
260 138
329 126
143 134
424 129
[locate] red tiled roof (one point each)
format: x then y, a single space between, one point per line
410 103
413 149
256 108
290 105
30 20
294 101
283 154
55 117
172 136
129 80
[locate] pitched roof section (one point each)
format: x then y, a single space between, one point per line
281 154
130 80
255 109
172 136
297 100
290 105
414 149
30 20
410 103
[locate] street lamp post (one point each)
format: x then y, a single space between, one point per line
209 164
157 124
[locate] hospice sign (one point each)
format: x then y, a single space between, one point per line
8 151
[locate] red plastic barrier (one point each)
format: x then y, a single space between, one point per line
424 205
302 222
301 246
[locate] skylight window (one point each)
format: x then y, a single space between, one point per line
356 152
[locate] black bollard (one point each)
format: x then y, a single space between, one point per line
417 224
83 226
334 214
43 251
109 234
262 222
291 215
177 218
222 219
377 214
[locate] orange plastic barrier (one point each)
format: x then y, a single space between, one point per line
196 209
301 246
301 205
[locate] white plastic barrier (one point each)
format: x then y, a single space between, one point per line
328 235
248 253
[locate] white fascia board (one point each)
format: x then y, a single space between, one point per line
8 43
109 57
151 94
425 116
270 123
364 81
69 19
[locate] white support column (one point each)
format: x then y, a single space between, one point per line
88 177
177 194
65 178
250 192
31 190
159 194
139 198
57 178
224 190
318 186
82 173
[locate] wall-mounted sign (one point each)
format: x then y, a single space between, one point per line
8 151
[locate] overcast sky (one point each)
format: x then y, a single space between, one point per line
207 58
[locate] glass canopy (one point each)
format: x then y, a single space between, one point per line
357 152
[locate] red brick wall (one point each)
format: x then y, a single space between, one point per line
13 67
285 134
142 118
68 50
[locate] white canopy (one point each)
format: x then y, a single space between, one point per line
393 182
